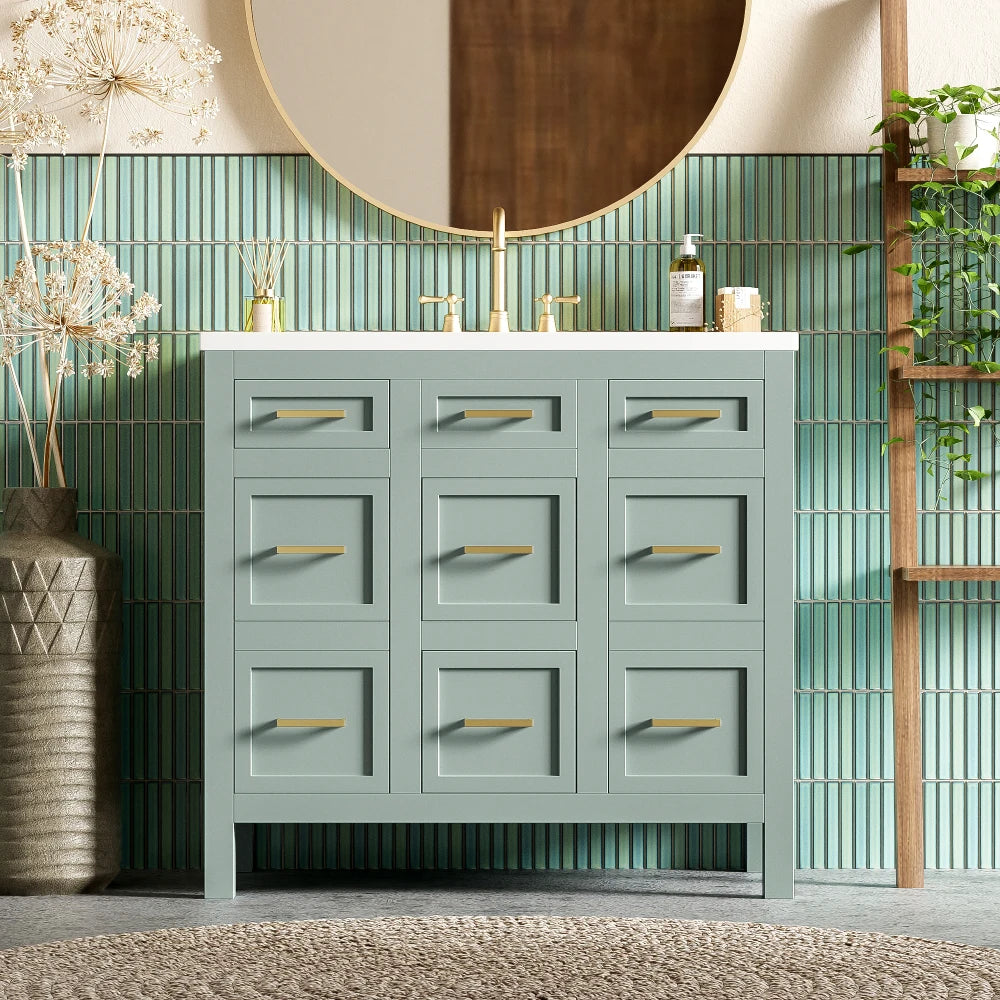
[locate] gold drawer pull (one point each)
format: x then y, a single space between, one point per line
498 723
310 414
682 414
685 550
310 723
498 414
310 550
498 550
685 723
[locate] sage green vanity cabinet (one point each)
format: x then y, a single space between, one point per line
499 583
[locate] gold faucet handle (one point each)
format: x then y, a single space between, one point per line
452 322
547 322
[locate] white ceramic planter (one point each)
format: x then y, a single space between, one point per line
966 130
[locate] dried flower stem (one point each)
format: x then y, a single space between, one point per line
50 429
26 420
43 362
100 167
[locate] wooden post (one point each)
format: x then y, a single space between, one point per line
906 689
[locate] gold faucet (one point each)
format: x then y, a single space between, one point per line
499 322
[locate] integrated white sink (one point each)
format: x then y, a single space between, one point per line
567 341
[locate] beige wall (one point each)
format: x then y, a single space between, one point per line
809 81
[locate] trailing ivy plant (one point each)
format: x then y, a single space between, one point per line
956 276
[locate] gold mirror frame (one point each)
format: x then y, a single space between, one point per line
486 233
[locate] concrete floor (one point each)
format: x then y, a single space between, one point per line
955 906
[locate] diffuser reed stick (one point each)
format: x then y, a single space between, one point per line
263 260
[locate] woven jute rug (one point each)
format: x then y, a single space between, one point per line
488 958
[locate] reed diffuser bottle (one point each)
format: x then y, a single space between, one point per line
264 312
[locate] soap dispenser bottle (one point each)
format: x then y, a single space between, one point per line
687 288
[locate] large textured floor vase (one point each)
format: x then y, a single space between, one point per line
60 633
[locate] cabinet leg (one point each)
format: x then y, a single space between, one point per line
220 863
779 860
755 847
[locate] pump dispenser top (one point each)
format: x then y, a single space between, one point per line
688 247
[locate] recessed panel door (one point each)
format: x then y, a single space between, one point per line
686 721
499 721
499 549
312 721
686 549
311 549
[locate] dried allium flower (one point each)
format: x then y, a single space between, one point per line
127 51
21 127
76 301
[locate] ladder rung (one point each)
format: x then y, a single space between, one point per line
945 373
943 573
916 175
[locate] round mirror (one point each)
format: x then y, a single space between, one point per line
440 110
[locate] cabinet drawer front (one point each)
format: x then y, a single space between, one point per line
676 414
686 549
499 721
686 721
312 722
311 549
493 413
286 413
499 549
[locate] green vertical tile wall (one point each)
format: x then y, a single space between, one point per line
778 222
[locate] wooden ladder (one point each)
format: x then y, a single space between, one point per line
907 571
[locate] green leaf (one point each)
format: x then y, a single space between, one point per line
977 413
955 456
948 439
899 350
986 367
932 217
971 475
899 97
885 444
856 249
907 269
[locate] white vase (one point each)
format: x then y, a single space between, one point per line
965 130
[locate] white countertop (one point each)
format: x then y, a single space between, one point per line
424 341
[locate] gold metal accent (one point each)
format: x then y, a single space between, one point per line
685 550
498 414
498 723
310 550
310 414
452 322
685 723
437 224
310 723
547 322
499 321
681 414
498 550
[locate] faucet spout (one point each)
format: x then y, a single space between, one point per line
499 322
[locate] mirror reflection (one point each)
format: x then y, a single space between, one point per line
440 110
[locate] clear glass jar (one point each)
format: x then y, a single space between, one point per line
264 313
